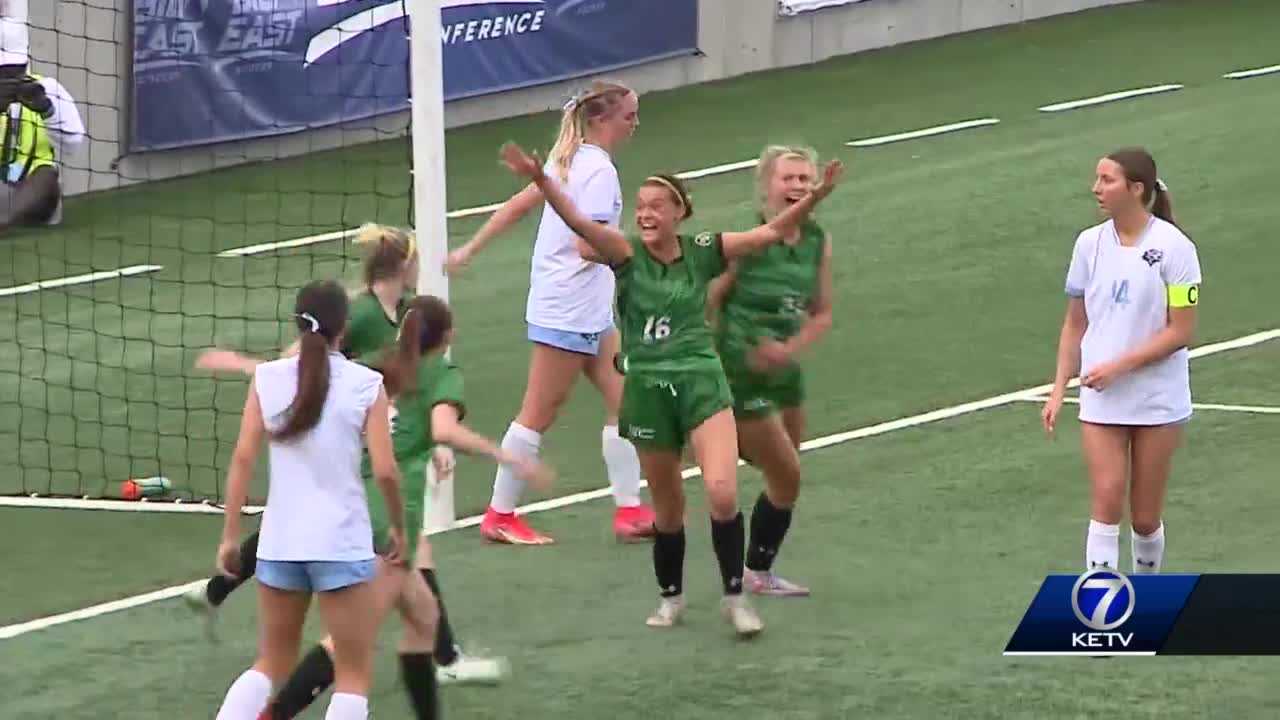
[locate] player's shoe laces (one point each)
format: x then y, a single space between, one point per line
472 670
510 529
763 582
669 612
744 619
197 600
633 524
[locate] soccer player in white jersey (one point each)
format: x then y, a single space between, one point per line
316 535
1132 288
570 311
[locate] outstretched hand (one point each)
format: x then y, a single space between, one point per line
520 162
832 172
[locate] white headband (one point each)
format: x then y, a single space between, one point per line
315 324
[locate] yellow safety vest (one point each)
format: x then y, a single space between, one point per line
31 149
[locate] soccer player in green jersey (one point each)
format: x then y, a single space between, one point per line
428 411
770 306
675 389
389 270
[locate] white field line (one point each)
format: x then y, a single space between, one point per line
452 215
79 279
1242 74
11 631
926 132
55 503
1253 409
1109 97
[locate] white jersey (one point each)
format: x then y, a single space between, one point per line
565 291
316 504
1126 299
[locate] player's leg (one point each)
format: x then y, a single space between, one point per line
796 421
317 671
281 614
352 608
420 615
552 373
632 519
715 445
1106 455
453 666
207 597
662 467
764 442
1153 450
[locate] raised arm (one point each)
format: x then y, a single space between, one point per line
737 244
610 244
512 211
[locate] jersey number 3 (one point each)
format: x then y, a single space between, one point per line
657 328
1120 292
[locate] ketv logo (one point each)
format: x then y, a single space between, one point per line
1103 600
1102 612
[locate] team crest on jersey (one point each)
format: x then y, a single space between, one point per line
1152 257
704 239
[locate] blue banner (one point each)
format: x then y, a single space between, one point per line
214 70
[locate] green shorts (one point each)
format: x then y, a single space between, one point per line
411 489
662 409
758 394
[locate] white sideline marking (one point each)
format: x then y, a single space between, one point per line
926 132
452 215
1109 97
1241 74
11 631
54 503
79 279
1253 409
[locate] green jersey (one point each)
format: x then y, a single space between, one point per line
438 382
369 331
772 292
663 307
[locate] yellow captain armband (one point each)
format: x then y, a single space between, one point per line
1181 296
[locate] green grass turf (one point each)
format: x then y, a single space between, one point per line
950 258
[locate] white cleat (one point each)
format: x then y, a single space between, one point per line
472 670
669 612
197 600
744 619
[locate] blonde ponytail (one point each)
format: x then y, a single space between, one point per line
387 250
597 102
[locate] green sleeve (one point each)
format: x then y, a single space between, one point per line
448 390
707 250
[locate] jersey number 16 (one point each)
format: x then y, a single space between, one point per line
657 328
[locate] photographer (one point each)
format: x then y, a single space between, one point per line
40 122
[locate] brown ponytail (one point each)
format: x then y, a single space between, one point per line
320 313
423 330
1140 167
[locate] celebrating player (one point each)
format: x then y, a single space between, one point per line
675 389
390 270
1132 289
428 410
570 311
772 305
316 536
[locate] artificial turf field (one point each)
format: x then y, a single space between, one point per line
923 545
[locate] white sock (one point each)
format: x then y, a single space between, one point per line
1102 546
345 706
1148 551
624 467
247 697
507 488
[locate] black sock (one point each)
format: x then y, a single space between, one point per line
727 538
446 651
220 586
313 676
668 562
769 524
419 675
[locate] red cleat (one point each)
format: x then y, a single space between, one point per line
510 529
633 524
